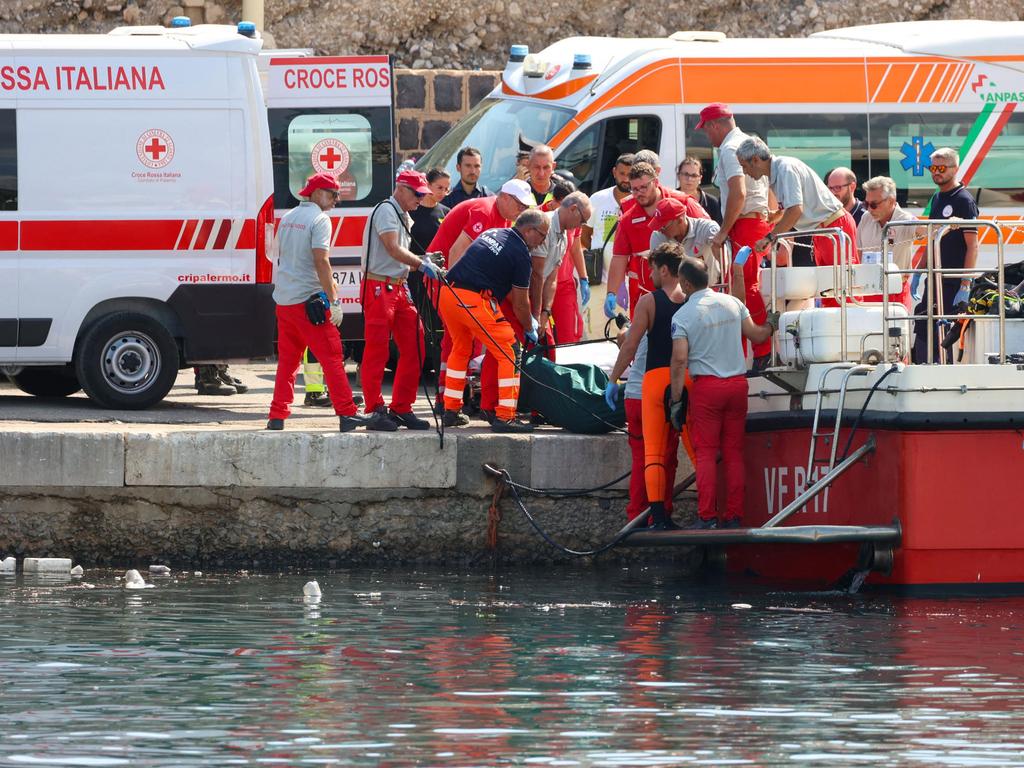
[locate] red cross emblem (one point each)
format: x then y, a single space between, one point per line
155 148
329 156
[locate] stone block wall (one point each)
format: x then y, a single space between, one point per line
429 101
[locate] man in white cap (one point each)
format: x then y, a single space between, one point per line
307 298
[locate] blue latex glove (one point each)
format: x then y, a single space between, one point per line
961 297
531 335
585 290
611 394
429 268
742 255
610 303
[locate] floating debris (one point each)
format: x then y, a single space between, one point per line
160 570
742 606
311 592
8 565
133 580
46 565
77 570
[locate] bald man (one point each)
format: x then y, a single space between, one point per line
842 182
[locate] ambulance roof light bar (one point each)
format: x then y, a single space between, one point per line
582 61
697 36
247 29
518 53
181 21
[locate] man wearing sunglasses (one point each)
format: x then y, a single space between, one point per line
303 270
959 248
388 309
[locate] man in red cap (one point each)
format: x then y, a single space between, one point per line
745 209
303 277
633 236
670 223
388 309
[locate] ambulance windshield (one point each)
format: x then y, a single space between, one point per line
499 128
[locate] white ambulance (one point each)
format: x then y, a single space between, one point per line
136 196
333 114
876 99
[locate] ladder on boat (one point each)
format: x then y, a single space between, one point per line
832 436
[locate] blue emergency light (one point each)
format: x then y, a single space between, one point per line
181 21
247 29
581 61
518 52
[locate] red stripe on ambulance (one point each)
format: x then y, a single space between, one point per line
247 237
350 233
204 235
8 235
133 235
222 234
187 234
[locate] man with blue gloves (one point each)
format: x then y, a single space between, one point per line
958 249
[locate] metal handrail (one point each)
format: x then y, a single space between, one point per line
841 270
940 228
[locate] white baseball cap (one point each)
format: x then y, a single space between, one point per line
520 190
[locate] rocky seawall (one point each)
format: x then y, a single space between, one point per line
442 34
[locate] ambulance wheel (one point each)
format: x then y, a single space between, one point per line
47 382
127 361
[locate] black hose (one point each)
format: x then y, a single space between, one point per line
860 414
567 494
622 534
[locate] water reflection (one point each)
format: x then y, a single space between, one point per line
609 667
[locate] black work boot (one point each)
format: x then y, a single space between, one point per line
231 381
512 426
660 520
454 419
379 421
208 382
317 400
275 425
408 420
348 423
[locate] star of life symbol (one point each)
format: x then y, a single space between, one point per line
329 156
155 148
916 155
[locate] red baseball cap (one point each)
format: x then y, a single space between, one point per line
414 180
319 181
668 208
713 112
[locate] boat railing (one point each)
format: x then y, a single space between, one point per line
932 268
841 276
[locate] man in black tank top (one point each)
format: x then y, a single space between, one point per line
653 322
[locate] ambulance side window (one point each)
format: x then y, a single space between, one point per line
823 141
8 161
592 154
354 144
901 145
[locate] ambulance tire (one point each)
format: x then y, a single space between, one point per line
48 382
126 361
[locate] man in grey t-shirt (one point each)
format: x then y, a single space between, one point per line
388 309
303 275
697 236
706 338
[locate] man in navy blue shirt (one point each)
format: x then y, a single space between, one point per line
469 163
497 264
959 248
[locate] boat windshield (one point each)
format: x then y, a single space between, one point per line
499 128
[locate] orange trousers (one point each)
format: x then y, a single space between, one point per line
459 307
658 432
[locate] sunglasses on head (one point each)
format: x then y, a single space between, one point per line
938 168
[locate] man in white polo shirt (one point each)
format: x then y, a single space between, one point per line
706 338
807 202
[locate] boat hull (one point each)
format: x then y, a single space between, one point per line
953 492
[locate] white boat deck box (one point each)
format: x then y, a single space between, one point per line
813 335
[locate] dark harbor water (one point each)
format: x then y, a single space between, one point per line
565 667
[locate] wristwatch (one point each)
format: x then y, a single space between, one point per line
336 302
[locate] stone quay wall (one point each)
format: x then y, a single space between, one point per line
211 498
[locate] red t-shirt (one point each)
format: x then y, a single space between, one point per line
470 216
567 270
632 236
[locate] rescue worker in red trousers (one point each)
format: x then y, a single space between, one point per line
707 336
303 272
388 309
746 205
497 265
653 320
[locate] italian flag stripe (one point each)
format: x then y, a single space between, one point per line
982 136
